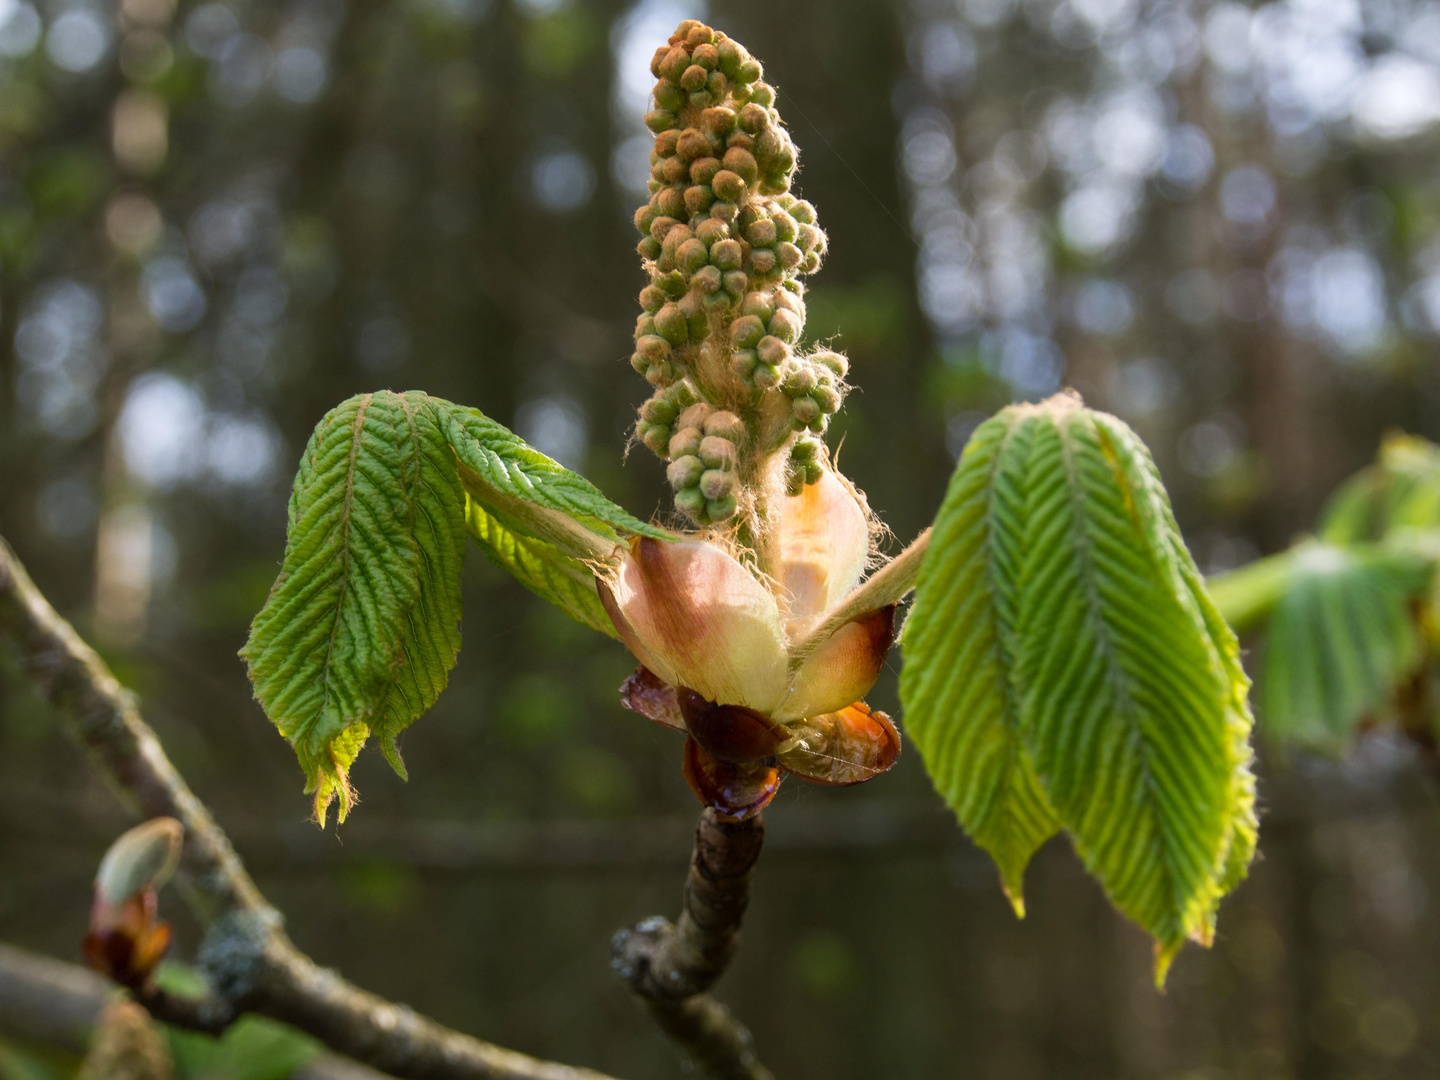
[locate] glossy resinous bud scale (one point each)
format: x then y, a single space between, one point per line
725 245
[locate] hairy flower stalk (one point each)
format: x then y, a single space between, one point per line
738 405
738 412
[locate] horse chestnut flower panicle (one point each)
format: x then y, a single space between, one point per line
720 654
126 939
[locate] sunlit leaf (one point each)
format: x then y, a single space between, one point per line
1061 623
1341 639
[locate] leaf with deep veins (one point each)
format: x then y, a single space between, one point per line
361 628
1065 667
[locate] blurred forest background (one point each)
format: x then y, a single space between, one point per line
217 220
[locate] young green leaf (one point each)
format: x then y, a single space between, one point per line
961 704
1341 640
361 627
542 497
1060 618
1400 491
541 567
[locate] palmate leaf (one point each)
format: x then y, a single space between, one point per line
1064 667
361 628
1400 491
1341 640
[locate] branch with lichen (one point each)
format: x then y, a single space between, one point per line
246 957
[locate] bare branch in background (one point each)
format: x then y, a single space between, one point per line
671 966
248 960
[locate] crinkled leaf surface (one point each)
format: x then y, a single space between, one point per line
361 628
1064 666
1341 640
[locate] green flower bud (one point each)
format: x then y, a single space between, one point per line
743 362
763 261
718 121
771 349
810 239
789 255
800 381
794 482
828 398
656 438
685 441
833 362
742 163
785 227
672 170
691 503
753 118
761 233
707 280
717 303
698 198
729 186
695 416
747 331
811 263
762 94
774 184
703 170
724 211
661 226
699 34
657 59
727 254
673 282
666 142
692 145
699 324
645 324
702 99
658 410
759 304
639 362
748 72
767 376
787 298
660 373
644 217
786 325
736 282
684 472
813 472
658 120
674 64
675 237
652 299
716 484
691 255
716 85
768 146
717 453
805 450
711 232
725 425
731 55
706 56
722 509
649 248
803 212
672 325
653 347
669 97
741 141
693 78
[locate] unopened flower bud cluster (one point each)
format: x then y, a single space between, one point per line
725 243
